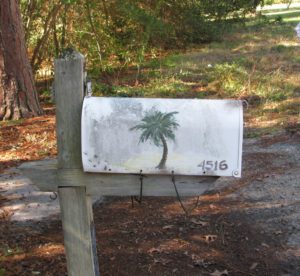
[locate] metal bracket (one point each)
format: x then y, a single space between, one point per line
89 91
135 198
245 104
87 86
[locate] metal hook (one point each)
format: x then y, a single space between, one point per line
53 197
186 211
141 186
135 198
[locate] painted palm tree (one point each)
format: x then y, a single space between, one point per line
158 127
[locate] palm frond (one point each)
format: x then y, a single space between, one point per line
156 124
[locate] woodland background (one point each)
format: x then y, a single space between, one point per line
177 49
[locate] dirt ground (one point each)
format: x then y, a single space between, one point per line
249 226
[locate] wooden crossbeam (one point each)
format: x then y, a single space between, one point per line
45 175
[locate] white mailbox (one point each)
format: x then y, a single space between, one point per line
162 136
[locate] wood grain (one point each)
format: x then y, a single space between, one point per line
69 95
47 177
79 233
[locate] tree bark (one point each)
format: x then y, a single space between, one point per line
162 163
18 96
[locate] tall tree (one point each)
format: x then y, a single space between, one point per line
158 127
18 96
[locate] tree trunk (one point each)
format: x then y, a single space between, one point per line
18 96
162 163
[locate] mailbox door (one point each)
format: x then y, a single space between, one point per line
161 136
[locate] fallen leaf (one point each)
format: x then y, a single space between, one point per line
162 261
219 273
167 227
265 245
199 222
253 266
210 238
154 250
199 262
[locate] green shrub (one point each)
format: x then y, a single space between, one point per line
122 32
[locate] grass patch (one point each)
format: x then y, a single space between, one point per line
2 271
45 96
244 63
11 122
259 58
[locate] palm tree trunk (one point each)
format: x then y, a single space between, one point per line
162 163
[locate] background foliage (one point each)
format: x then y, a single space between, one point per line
119 33
179 49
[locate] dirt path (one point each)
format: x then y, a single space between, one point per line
249 227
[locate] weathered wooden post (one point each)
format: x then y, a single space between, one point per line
76 208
